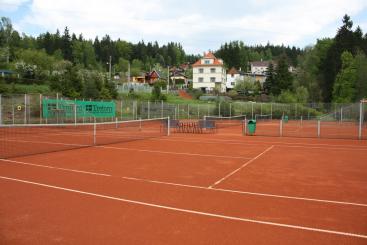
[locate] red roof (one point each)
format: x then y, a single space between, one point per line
209 55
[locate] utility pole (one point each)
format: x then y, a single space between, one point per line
128 72
110 68
167 79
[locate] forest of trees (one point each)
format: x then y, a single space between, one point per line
333 70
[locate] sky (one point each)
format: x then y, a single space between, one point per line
199 25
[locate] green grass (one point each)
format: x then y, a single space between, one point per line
25 89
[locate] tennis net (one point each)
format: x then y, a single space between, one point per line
23 140
222 122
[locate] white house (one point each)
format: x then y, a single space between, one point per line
233 76
259 67
209 74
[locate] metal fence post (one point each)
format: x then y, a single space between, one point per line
1 112
168 126
252 110
25 108
188 111
219 110
161 108
198 111
40 108
148 109
281 128
360 120
94 132
121 109
318 128
271 111
230 109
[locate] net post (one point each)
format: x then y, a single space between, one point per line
116 122
140 124
281 127
168 126
301 120
318 128
360 120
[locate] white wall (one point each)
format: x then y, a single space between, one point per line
219 75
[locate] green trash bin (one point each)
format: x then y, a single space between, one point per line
251 125
285 118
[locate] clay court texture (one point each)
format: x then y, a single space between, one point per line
218 187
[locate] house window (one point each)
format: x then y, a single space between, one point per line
212 70
201 79
232 83
212 79
201 70
207 62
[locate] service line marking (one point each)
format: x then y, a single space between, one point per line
305 228
244 165
134 149
191 186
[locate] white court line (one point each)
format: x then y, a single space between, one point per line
134 149
305 228
238 169
282 144
170 152
192 186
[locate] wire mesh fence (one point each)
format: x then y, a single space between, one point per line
273 119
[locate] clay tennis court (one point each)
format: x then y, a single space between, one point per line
210 188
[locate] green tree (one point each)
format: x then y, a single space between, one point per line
361 81
6 31
287 96
283 78
302 94
344 86
269 84
246 87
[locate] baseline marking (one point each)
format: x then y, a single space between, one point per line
189 210
238 169
193 186
277 143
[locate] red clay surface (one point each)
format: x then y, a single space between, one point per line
220 188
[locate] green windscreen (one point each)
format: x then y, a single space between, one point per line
52 108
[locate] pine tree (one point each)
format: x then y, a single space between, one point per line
269 84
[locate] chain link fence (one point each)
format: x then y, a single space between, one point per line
273 119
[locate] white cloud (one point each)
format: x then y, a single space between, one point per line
11 5
198 25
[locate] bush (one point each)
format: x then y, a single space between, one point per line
157 94
287 96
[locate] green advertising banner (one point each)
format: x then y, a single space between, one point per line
52 108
